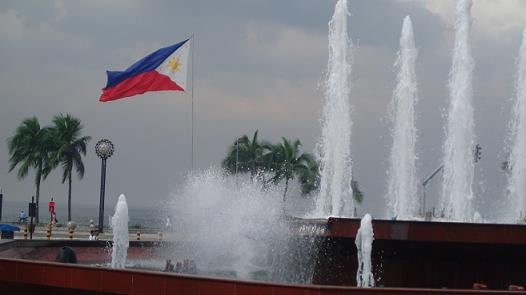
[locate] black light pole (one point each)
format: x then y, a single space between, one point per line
424 183
237 153
32 213
104 149
1 202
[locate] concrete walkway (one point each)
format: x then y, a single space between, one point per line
83 233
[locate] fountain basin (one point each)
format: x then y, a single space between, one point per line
432 231
424 256
38 277
88 252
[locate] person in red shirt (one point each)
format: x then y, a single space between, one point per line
52 209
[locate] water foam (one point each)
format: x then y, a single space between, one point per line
403 201
119 226
457 193
517 160
335 196
364 246
230 226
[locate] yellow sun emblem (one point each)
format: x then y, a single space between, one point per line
174 65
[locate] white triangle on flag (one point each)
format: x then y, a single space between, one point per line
175 66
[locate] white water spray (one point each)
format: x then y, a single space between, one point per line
517 160
335 147
364 246
229 226
457 192
119 226
402 186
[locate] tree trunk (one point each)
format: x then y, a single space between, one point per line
286 188
69 197
37 196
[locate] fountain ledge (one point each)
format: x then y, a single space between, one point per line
49 277
432 231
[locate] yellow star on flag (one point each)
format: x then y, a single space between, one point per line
174 64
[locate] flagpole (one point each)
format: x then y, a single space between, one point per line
192 98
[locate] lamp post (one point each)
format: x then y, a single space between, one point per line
424 183
237 153
32 213
104 149
1 202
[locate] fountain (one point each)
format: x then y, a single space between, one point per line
119 226
364 246
234 227
517 160
335 196
250 236
229 226
403 202
457 193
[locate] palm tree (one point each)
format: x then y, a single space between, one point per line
309 175
70 147
30 147
284 160
356 192
271 158
245 155
288 162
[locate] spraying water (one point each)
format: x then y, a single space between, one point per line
335 147
364 247
402 186
457 193
231 227
517 161
119 226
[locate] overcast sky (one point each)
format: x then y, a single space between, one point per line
258 65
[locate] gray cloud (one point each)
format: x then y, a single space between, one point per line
258 65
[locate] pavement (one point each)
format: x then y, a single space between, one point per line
83 233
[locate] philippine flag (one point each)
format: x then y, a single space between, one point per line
164 69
